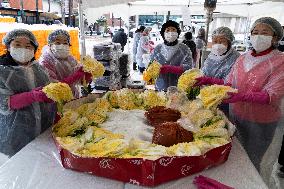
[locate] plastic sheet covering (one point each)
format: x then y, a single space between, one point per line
178 55
38 166
260 126
20 127
220 67
59 69
111 82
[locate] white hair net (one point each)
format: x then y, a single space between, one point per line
225 31
148 29
272 23
52 36
10 36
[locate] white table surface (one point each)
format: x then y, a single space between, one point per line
37 166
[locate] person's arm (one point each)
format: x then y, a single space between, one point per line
275 85
21 100
9 101
185 65
76 76
261 97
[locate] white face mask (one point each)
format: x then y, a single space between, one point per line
22 55
60 51
261 42
171 36
218 49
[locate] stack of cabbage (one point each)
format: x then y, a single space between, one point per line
79 130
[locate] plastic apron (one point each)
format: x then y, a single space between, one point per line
19 127
260 126
59 69
178 55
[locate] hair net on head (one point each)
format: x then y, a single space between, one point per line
147 29
142 28
224 31
170 23
52 36
188 35
201 32
272 23
10 36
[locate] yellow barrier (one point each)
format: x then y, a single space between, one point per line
41 36
7 19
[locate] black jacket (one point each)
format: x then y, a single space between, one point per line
7 60
191 44
281 45
120 37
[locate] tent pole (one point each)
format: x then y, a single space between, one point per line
209 16
82 32
128 24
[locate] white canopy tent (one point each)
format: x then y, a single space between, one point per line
125 8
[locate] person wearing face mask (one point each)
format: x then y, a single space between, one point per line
174 57
25 111
222 56
256 107
59 63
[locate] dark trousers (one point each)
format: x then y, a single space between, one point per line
255 138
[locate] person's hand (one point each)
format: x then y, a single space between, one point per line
40 96
76 76
233 97
88 77
171 69
21 100
205 80
255 97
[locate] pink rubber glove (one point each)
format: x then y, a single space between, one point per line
205 80
203 182
21 100
88 77
256 97
79 74
171 69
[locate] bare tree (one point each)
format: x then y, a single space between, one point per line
62 4
48 1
